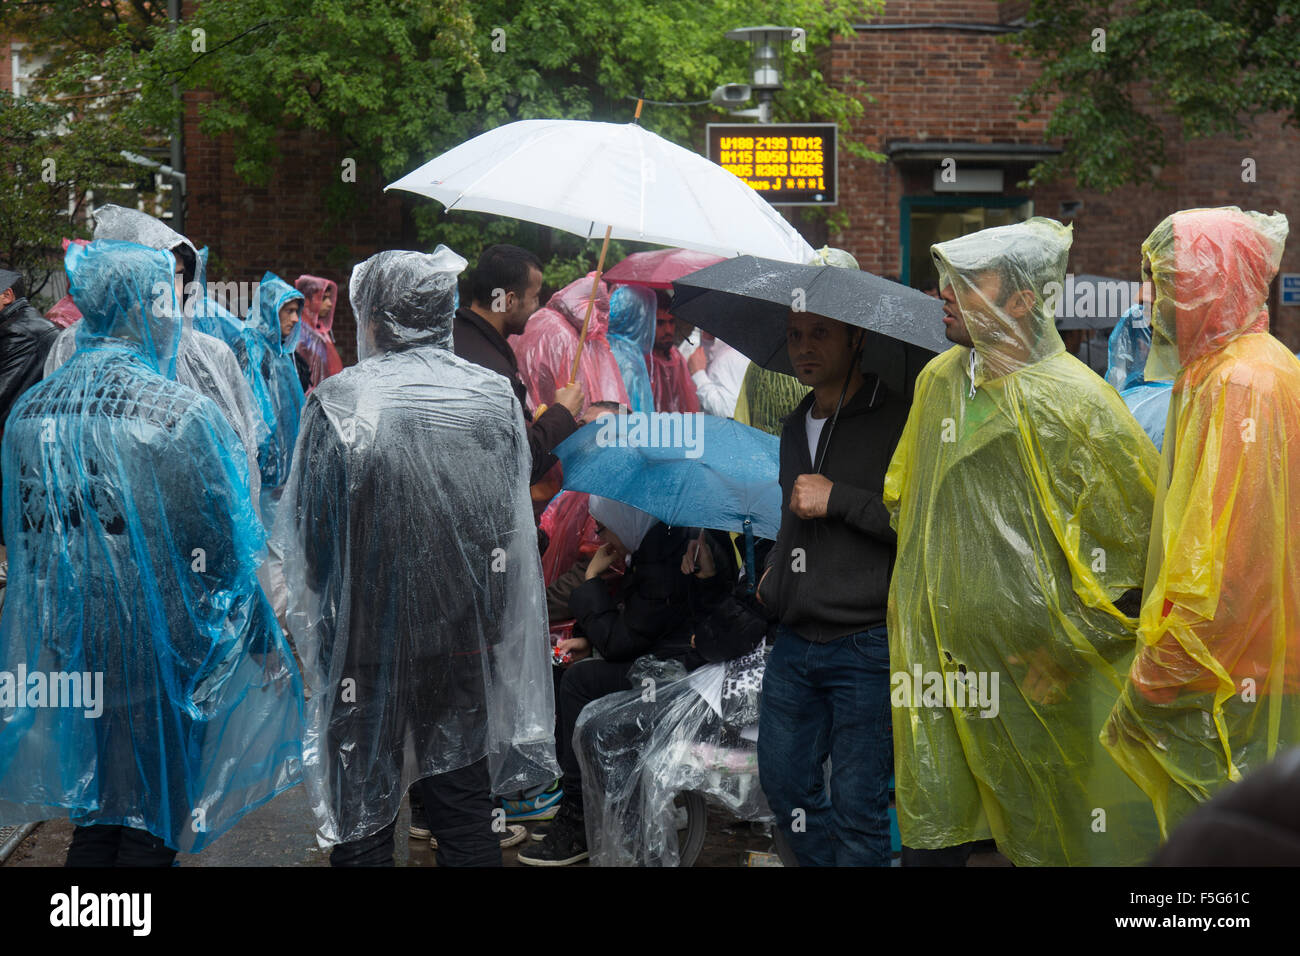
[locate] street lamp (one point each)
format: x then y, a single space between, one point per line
764 63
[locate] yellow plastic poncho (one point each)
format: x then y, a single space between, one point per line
1213 689
1021 492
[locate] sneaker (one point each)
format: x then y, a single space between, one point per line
541 807
565 843
515 835
539 834
419 825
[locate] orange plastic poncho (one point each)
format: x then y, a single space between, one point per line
1212 690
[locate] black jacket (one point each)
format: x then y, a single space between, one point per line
655 607
829 576
26 337
476 341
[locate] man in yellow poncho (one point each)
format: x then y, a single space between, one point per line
1021 492
1213 688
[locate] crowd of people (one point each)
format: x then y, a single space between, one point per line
988 592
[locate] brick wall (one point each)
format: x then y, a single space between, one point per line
960 86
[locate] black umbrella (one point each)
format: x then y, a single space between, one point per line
744 301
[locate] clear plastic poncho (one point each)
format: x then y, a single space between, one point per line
631 337
698 735
133 550
267 363
1127 349
549 342
207 365
1212 693
1021 499
416 598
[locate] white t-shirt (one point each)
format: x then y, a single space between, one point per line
814 428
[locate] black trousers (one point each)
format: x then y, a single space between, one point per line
948 856
458 807
117 846
582 683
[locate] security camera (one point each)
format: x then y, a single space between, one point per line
731 94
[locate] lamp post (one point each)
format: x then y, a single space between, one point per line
766 43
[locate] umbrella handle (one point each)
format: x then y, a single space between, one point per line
750 584
591 302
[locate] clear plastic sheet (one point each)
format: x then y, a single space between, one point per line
1022 504
133 551
267 364
1212 693
695 733
550 341
317 345
416 599
631 337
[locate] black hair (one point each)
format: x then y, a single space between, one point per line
664 298
501 267
185 256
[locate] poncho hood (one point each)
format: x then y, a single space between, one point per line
126 291
1029 256
403 300
1211 269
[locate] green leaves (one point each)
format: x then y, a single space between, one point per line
1209 65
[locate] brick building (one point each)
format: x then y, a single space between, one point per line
944 85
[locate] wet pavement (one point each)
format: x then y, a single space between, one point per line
281 833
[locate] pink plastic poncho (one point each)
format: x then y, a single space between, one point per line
317 342
65 313
671 383
545 350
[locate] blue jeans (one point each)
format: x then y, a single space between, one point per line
829 700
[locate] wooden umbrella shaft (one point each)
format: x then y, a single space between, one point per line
591 302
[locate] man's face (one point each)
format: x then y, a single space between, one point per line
820 349
988 287
326 301
665 330
520 308
289 317
179 281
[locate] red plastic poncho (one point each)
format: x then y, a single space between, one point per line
1212 692
317 342
546 348
670 381
572 533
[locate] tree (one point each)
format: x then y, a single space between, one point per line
1212 65
47 166
396 83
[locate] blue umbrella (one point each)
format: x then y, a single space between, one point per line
696 471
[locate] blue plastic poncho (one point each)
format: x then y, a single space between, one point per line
631 337
208 315
171 702
267 362
1129 345
415 586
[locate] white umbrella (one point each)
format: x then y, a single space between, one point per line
588 178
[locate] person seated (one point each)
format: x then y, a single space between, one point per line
651 609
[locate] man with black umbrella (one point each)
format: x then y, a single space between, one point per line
826 688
